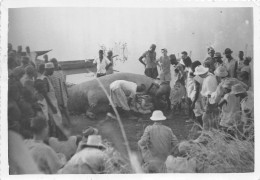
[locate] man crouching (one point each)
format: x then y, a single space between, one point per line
123 93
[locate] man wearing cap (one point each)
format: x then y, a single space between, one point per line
58 80
102 62
90 160
165 65
52 102
150 62
210 61
209 85
85 134
157 142
230 63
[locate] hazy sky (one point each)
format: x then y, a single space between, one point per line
76 33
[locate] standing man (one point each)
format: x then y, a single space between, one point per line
102 62
157 143
58 81
240 60
185 59
165 65
230 63
210 61
150 62
209 85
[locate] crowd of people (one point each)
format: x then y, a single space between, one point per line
39 122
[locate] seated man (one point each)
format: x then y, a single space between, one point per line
157 143
123 92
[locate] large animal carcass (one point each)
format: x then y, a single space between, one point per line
89 95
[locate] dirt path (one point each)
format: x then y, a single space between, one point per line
134 128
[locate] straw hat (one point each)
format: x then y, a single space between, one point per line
90 131
95 140
237 89
49 65
217 55
199 70
221 71
158 116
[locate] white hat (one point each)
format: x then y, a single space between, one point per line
221 71
95 140
49 65
158 116
237 89
199 70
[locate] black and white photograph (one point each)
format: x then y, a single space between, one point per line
129 89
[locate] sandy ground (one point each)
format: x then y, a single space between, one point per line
109 129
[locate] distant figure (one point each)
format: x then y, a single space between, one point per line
209 62
218 60
150 62
18 58
157 143
230 63
240 60
102 62
46 59
123 93
165 65
186 60
58 80
33 56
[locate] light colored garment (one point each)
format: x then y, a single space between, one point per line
230 66
120 91
230 111
165 64
209 85
217 95
157 143
68 148
28 83
101 65
177 93
86 161
150 59
190 88
240 64
247 106
246 69
48 161
199 105
43 104
58 81
19 157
